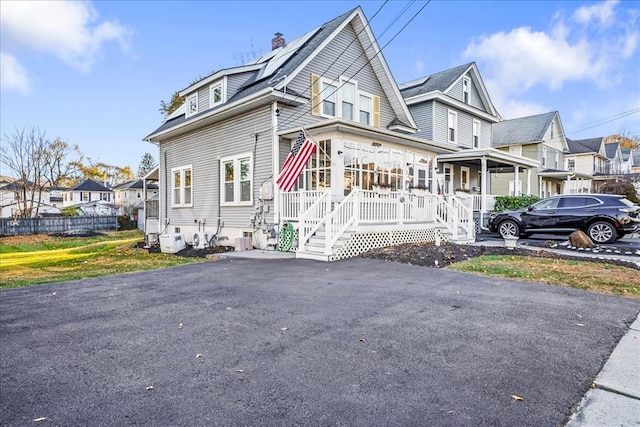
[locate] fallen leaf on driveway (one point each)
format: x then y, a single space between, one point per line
284 329
516 398
180 325
149 388
198 355
362 339
580 324
239 371
40 419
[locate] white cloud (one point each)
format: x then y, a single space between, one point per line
585 48
13 76
69 30
602 13
510 107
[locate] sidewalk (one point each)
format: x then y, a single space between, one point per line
615 398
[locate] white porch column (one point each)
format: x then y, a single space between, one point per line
540 190
529 181
483 185
516 180
275 144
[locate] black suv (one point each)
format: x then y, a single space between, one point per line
604 217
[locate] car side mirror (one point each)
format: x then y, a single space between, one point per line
530 208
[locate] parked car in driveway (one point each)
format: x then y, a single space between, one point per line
604 217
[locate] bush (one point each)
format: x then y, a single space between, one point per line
126 223
623 188
509 203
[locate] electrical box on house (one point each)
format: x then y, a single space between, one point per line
171 243
266 191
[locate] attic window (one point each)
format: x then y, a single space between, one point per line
217 95
192 105
344 100
465 90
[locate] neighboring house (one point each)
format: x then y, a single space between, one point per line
540 138
587 159
614 157
132 194
453 108
87 191
131 197
222 150
97 208
626 164
47 201
635 159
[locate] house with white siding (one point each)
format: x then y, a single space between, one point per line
587 159
87 191
453 108
221 152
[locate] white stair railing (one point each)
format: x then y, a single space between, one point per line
312 218
340 219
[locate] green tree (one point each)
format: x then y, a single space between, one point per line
146 165
166 108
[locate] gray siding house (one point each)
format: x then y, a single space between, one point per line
221 152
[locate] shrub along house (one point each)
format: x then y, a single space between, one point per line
222 151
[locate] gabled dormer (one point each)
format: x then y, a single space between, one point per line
461 87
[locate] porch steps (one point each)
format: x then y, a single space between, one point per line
314 249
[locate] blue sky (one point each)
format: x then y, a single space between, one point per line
93 73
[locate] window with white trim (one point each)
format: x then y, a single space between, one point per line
571 165
544 156
348 100
192 105
345 100
557 159
365 110
216 95
452 127
181 186
466 83
236 177
476 134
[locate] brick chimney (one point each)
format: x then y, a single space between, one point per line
277 41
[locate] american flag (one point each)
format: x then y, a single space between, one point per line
295 161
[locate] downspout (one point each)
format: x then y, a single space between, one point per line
275 161
483 187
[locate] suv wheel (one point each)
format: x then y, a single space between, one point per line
509 228
602 232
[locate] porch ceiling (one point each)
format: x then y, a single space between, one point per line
495 159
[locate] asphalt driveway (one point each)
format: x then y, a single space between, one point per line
294 342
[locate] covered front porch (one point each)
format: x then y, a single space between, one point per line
364 189
469 174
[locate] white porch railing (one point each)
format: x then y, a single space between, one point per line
313 217
296 202
456 214
477 202
362 207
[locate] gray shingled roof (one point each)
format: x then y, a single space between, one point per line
521 130
135 185
435 82
626 152
90 185
590 145
610 149
253 86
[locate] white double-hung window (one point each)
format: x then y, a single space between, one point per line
181 186
365 110
476 134
329 99
236 177
217 93
192 105
452 128
348 100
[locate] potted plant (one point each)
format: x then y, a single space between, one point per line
420 190
382 188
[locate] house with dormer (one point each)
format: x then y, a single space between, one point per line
87 191
453 108
587 158
542 139
222 152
